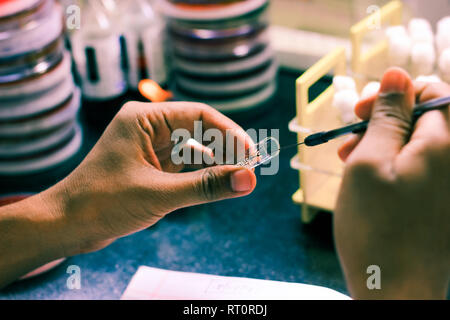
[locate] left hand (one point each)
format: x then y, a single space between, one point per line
128 181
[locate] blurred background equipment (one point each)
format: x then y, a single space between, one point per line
96 49
119 44
415 44
331 17
323 25
144 31
221 53
38 99
373 50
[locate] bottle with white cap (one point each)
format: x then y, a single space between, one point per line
399 50
144 34
423 52
443 34
97 53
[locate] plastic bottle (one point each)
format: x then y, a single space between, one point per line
144 34
97 54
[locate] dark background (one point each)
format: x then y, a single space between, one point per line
259 236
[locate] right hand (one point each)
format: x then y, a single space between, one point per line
393 208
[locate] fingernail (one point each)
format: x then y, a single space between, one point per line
394 80
241 181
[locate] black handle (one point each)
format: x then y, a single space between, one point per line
316 139
325 136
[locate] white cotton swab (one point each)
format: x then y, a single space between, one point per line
370 89
443 34
420 30
431 78
345 101
399 50
444 65
423 58
343 83
443 25
442 41
422 36
418 24
393 31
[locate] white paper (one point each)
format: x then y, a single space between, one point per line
158 284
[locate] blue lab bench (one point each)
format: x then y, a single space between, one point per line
259 236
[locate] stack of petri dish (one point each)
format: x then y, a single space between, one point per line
221 53
39 102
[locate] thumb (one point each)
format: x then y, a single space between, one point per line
209 184
391 120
